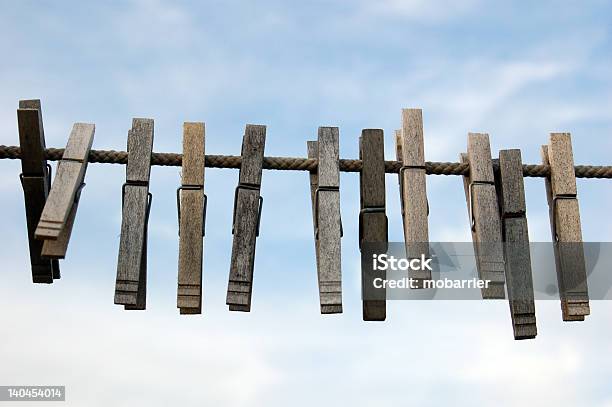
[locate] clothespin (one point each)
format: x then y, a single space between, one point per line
36 180
373 223
511 198
566 230
248 204
484 217
413 190
57 218
131 284
325 195
191 204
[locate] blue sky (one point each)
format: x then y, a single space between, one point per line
515 70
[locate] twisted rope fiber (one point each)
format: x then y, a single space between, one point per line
301 164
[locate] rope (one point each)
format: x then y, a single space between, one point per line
301 164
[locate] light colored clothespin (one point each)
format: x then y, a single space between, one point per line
566 230
248 204
131 284
57 218
326 219
191 204
484 217
413 191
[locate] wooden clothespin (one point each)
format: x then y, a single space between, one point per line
248 204
511 198
565 225
484 217
36 180
373 223
191 204
131 284
57 218
413 190
325 195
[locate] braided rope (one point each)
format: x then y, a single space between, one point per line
300 164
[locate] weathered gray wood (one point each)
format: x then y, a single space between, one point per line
328 222
511 197
58 216
252 154
566 229
373 218
68 180
372 180
246 220
35 183
130 286
140 146
484 210
56 249
415 208
31 138
30 104
189 292
561 160
136 197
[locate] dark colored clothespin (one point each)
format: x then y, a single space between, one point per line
57 218
413 190
325 190
373 223
191 205
36 181
517 257
248 204
566 230
131 284
484 217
